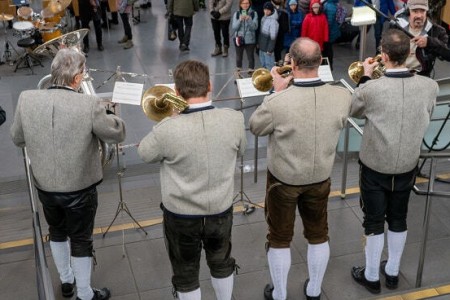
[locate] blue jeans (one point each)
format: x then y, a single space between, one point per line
267 60
385 197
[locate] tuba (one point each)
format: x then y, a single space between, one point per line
356 69
107 151
161 101
262 80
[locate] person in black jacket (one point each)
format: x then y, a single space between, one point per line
283 22
2 116
430 40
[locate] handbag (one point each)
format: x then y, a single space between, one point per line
239 41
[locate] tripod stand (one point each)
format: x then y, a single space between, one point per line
122 206
248 205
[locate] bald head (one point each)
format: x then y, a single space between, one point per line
306 53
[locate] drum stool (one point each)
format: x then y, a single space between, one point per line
27 59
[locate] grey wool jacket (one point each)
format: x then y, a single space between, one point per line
303 124
61 130
197 152
397 111
223 7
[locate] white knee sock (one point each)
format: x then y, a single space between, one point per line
396 244
223 287
374 247
318 256
279 265
61 257
194 295
82 269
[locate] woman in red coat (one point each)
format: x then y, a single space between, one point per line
315 24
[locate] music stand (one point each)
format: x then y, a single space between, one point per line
122 205
246 90
363 16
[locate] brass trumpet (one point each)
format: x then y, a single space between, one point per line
262 80
356 69
161 101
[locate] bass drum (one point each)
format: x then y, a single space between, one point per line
107 151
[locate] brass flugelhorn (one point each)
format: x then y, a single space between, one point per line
356 69
262 80
161 101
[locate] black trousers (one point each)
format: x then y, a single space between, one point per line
126 25
250 50
96 19
221 27
184 25
185 238
71 215
385 197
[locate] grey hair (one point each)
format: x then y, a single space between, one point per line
66 65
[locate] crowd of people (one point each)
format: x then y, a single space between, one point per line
197 149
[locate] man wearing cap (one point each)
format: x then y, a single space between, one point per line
430 40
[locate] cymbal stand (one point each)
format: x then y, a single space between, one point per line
241 196
8 46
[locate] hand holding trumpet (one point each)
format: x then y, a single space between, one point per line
280 82
369 65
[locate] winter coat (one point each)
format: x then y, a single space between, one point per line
223 7
246 28
330 9
295 24
182 8
315 27
268 32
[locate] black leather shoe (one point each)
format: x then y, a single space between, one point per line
68 289
268 289
391 281
100 48
102 294
372 286
305 286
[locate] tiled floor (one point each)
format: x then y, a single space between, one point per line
134 265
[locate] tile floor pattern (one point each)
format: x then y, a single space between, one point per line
136 266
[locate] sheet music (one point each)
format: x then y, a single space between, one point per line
325 73
246 88
127 93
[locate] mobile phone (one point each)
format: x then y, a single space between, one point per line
243 12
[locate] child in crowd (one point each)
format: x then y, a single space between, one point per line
315 25
267 36
295 23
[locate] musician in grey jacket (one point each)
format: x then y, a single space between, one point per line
397 110
303 123
197 151
61 130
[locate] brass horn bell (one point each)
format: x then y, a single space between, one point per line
356 69
262 80
161 101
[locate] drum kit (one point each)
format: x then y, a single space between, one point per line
44 29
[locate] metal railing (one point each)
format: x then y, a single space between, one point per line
43 280
426 218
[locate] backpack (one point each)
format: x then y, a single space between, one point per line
341 13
